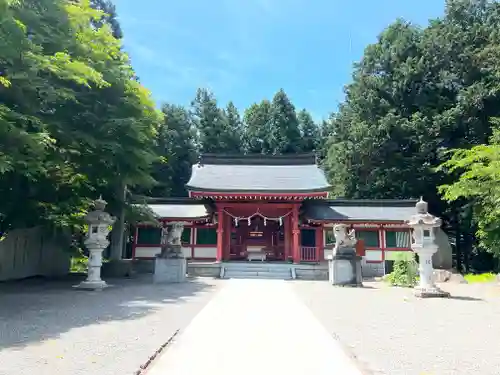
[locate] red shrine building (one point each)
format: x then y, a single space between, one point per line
273 209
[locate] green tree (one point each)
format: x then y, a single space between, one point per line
256 125
309 131
40 68
235 134
479 173
110 17
211 123
82 126
283 126
416 94
177 145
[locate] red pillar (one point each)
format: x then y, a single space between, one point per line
295 234
287 226
220 235
227 238
319 243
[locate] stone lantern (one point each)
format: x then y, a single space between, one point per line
424 227
99 223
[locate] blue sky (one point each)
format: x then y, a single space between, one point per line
245 50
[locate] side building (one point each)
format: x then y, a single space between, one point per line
274 209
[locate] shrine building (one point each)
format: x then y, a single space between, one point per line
274 210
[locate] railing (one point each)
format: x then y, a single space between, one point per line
309 254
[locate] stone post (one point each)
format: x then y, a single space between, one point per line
96 241
424 244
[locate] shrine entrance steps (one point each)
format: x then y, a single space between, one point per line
257 270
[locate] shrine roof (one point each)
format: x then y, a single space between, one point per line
360 210
178 208
258 174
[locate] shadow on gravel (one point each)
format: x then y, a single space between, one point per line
466 298
39 309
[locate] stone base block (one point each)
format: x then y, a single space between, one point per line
92 285
345 270
170 270
432 292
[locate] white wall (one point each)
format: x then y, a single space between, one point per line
31 252
205 252
151 252
147 252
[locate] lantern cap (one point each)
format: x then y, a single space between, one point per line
100 204
422 206
423 217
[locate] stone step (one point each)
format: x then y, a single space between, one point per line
253 265
257 275
257 269
262 271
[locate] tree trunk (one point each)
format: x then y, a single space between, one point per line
458 239
118 232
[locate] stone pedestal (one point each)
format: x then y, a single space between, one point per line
170 270
344 269
430 292
426 287
93 281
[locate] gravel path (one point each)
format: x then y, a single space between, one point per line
47 328
391 332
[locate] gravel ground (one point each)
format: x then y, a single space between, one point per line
391 332
47 328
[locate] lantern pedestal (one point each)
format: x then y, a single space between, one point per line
426 287
94 281
430 292
92 285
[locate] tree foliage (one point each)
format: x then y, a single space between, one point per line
176 145
257 128
419 113
284 136
73 122
479 174
415 95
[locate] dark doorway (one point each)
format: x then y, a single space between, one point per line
308 237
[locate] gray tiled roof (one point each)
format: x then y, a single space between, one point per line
258 174
376 210
179 211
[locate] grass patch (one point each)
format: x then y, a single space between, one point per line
79 264
404 273
481 278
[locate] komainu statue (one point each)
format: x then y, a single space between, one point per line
171 246
343 238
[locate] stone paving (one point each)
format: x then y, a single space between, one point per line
255 327
393 333
48 328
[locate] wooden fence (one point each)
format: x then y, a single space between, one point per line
32 252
